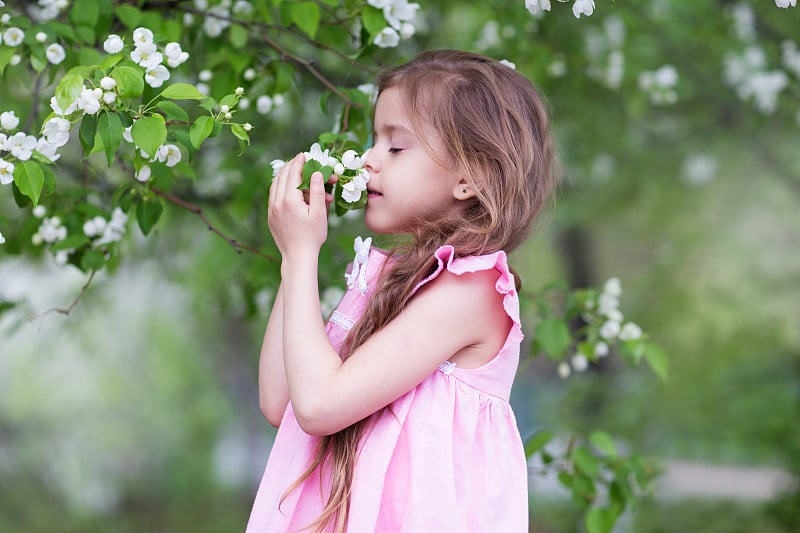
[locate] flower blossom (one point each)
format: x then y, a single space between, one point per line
175 55
786 3
169 154
89 100
21 145
216 20
610 329
156 76
13 36
55 53
56 131
113 44
114 229
9 120
579 362
2 239
537 6
146 55
143 174
630 332
62 112
6 171
582 7
47 149
387 38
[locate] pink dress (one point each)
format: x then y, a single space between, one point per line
445 457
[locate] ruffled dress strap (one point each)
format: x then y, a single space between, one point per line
496 376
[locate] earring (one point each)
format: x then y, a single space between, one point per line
464 191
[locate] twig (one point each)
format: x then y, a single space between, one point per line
68 310
199 212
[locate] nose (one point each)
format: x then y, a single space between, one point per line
371 162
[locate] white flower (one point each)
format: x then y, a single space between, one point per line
243 7
13 36
351 160
3 141
146 56
9 120
387 38
108 83
2 239
699 169
316 153
5 18
535 6
169 154
188 19
610 329
109 97
47 149
277 100
508 63
399 11
113 44
62 112
94 226
15 60
338 169
630 332
6 172
613 287
277 165
244 103
56 130
239 91
607 303
216 20
582 7
601 349
249 74
61 257
41 37
143 174
203 88
380 4
142 36
247 126
126 134
55 53
39 211
175 55
350 192
580 362
36 239
89 101
51 230
785 3
264 104
205 75
21 146
564 370
156 76
224 108
114 229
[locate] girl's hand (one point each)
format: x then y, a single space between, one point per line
299 226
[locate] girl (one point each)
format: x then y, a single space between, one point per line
394 415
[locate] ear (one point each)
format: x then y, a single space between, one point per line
463 190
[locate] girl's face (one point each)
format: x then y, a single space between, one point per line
406 184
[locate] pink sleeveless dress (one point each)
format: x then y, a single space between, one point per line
445 457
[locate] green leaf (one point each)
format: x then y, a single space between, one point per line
657 360
110 60
240 132
72 242
84 13
306 15
85 33
537 441
603 442
128 15
182 91
147 214
173 110
553 336
599 520
238 36
69 89
373 20
93 260
29 178
200 130
130 81
86 133
6 53
585 461
149 133
109 127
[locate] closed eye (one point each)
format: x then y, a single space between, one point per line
395 150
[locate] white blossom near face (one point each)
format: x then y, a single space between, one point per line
55 53
582 7
21 145
351 160
62 112
399 11
56 130
13 36
143 174
113 44
9 120
508 63
387 38
47 149
156 76
6 172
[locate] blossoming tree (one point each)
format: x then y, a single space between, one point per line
113 111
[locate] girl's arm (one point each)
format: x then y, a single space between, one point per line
273 392
448 316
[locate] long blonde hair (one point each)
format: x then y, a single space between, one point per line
495 128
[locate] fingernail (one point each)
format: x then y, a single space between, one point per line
316 176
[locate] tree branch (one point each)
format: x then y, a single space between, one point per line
199 212
68 310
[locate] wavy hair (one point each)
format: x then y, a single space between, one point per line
494 126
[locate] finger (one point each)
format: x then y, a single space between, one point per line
283 178
316 204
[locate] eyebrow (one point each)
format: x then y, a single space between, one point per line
393 127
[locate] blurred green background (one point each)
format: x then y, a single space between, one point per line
139 410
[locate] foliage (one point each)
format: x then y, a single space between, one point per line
251 82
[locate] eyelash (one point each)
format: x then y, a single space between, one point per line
395 150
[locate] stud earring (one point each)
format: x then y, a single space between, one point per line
464 191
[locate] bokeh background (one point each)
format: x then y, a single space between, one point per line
678 126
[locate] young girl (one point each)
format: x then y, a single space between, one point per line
394 416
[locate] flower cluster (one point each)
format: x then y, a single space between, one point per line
747 73
146 54
106 231
606 326
660 85
579 7
399 14
786 3
216 19
351 176
21 146
45 10
604 49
